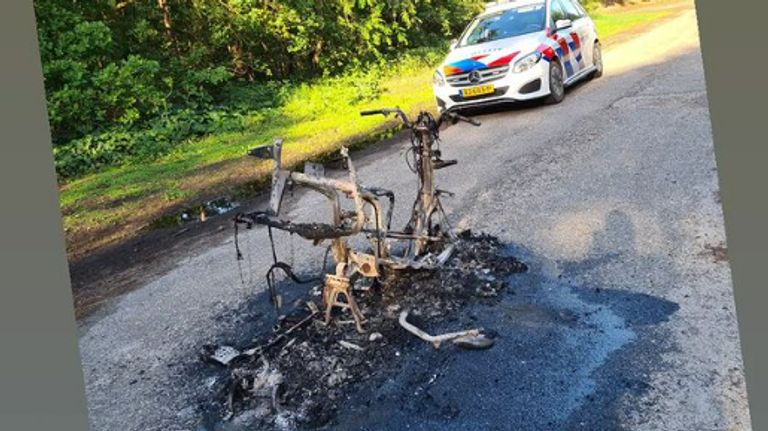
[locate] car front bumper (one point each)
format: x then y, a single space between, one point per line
531 84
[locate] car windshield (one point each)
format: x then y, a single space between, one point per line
504 24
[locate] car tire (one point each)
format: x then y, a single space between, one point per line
556 83
597 60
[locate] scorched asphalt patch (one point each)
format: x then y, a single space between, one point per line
302 372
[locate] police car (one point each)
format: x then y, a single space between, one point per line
519 50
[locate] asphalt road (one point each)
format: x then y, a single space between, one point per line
625 320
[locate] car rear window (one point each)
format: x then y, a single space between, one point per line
505 24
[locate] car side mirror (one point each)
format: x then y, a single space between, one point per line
454 43
563 23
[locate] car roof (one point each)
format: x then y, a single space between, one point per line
502 5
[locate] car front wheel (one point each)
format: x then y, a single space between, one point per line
597 60
556 83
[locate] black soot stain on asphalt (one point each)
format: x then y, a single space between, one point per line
564 356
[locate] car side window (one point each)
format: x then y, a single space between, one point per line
557 11
580 8
572 11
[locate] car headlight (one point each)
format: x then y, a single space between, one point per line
438 79
527 62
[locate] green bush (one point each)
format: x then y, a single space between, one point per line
142 144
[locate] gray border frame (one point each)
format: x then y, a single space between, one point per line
41 380
41 385
734 57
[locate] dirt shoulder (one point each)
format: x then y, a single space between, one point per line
121 267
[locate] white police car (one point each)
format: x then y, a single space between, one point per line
519 50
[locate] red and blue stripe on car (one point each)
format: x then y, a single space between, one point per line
564 49
475 63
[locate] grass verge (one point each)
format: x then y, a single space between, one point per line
316 118
615 20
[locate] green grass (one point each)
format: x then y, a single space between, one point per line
314 119
612 23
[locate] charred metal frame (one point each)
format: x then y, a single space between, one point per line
422 232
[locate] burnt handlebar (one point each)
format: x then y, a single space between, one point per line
385 111
374 112
452 116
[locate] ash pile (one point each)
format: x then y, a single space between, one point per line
301 374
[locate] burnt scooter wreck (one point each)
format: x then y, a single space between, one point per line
427 237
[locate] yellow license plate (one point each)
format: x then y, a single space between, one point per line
480 90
